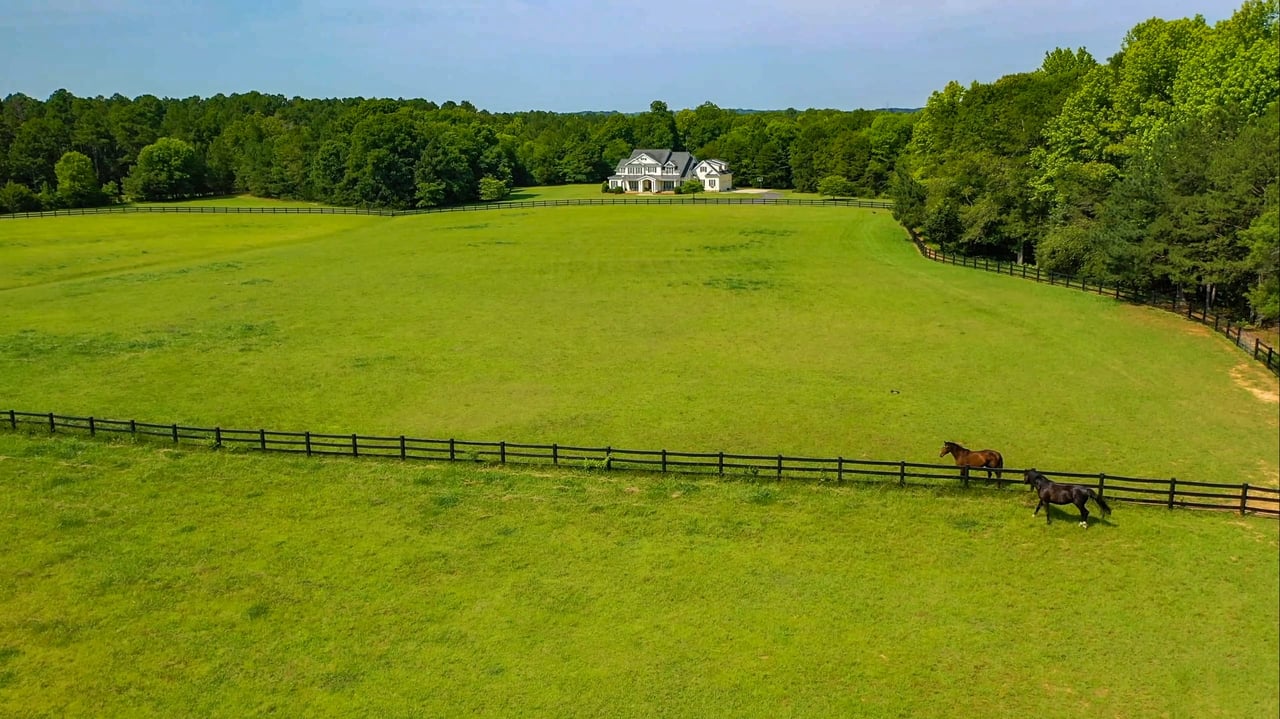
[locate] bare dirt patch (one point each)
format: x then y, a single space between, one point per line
1246 377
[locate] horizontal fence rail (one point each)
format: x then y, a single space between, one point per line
1242 338
501 205
1243 498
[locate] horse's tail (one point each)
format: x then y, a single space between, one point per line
1098 498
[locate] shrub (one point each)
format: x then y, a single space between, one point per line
18 198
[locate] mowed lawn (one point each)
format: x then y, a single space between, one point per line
794 330
141 580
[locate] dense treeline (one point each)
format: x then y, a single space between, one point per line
69 151
1157 169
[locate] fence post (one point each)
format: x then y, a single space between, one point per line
839 469
175 433
452 454
902 473
51 423
307 439
722 464
1256 341
555 454
608 457
355 451
1102 483
13 419
664 461
91 432
779 466
1173 485
502 452
217 436
1244 497
403 452
262 438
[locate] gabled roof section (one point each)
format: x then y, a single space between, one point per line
660 156
683 161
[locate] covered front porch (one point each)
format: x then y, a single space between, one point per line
644 184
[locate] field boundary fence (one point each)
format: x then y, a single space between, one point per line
1239 336
478 207
1172 492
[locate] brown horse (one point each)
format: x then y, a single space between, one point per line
965 459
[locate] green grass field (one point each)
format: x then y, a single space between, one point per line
564 192
235 201
140 580
753 329
148 580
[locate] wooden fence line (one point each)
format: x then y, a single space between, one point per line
501 205
1254 346
1243 498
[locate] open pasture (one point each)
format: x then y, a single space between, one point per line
141 580
754 329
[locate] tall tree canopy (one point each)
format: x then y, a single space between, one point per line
1157 168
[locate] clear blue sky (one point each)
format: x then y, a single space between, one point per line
560 55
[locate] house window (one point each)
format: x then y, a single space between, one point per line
711 184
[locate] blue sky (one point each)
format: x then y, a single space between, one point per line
560 55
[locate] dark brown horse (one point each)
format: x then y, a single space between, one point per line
965 459
1053 493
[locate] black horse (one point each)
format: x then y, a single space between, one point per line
1053 493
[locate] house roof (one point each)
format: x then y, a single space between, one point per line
660 155
683 161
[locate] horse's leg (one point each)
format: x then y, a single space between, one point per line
1084 513
1038 506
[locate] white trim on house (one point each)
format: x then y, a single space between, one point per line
665 170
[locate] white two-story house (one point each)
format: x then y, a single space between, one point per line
665 170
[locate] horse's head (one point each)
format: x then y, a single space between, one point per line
948 448
1031 476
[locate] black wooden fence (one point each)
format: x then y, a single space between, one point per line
1253 345
1243 498
571 202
